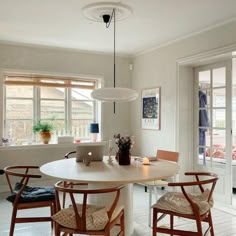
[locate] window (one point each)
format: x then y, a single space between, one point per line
211 82
64 101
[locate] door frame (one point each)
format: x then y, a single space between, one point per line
223 192
184 101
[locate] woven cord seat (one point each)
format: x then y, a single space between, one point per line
83 218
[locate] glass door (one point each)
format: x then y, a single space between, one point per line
213 125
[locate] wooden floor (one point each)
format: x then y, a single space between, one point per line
224 223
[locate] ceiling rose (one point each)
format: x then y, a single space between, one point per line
95 11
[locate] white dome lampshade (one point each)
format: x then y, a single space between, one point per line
114 94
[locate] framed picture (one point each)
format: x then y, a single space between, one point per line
151 103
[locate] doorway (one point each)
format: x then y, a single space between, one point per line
222 102
213 124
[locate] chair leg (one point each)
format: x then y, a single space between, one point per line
171 223
13 219
57 231
122 223
209 218
145 189
199 226
154 222
107 232
149 206
52 211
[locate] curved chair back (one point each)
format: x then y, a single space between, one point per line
206 184
107 216
68 154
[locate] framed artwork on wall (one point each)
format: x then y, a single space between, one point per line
151 103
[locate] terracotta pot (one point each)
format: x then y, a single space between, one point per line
45 137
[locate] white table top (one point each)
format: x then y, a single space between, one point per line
102 172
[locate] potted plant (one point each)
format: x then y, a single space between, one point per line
44 129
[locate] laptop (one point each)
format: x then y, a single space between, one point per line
95 152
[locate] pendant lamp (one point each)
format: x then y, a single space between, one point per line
113 94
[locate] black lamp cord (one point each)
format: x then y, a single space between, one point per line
114 55
109 18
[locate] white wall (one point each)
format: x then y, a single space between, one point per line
160 68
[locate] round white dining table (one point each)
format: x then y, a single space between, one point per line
100 173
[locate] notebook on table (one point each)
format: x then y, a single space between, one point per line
95 152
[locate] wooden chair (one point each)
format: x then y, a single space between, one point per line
187 205
84 218
68 183
68 154
25 197
153 185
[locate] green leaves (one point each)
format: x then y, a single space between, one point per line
42 127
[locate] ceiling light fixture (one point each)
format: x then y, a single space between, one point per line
111 94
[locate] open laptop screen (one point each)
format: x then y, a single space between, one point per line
95 152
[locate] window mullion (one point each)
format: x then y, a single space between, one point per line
68 112
36 108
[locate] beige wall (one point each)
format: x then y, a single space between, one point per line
160 68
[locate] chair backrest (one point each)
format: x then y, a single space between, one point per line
21 174
206 182
68 154
167 155
74 193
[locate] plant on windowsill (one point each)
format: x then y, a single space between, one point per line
44 129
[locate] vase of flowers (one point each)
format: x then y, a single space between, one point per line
124 145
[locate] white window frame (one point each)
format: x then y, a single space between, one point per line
37 99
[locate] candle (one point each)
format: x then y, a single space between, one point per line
146 161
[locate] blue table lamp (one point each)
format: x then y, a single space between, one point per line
94 130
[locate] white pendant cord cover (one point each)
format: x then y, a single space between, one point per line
115 94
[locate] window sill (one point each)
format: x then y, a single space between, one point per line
50 145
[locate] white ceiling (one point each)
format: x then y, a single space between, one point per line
61 23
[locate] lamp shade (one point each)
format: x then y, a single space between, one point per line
114 94
94 128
